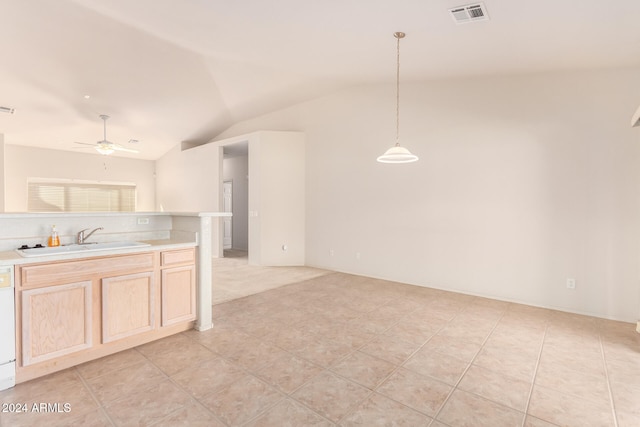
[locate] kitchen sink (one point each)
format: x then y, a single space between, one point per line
75 248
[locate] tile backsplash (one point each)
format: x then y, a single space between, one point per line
31 229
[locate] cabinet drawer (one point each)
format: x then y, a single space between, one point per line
182 256
46 274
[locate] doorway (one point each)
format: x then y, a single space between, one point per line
235 197
227 205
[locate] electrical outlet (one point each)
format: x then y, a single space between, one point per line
358 255
143 221
571 283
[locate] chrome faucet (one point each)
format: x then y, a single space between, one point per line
82 237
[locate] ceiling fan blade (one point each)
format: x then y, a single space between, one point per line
106 147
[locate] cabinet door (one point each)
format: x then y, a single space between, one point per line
178 294
127 305
56 321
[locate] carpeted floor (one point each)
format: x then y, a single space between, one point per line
234 278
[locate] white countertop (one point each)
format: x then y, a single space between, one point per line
13 258
11 215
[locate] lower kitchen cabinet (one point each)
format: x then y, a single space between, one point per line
56 321
128 305
71 312
178 294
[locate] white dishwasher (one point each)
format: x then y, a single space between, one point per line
7 329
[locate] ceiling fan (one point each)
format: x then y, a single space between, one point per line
107 147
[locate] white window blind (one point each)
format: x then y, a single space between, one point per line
45 195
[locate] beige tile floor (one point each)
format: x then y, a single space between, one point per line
346 350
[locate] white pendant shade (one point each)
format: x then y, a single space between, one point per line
397 154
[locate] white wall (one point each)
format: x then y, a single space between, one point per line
522 182
188 181
236 170
24 162
191 180
277 199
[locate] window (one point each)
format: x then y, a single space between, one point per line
58 195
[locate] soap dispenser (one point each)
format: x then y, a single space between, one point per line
54 240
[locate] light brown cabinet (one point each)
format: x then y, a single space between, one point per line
178 294
178 286
56 321
127 305
70 312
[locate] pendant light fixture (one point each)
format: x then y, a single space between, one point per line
397 154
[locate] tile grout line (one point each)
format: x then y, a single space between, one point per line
103 406
535 374
328 369
401 365
189 395
257 376
290 396
283 397
194 400
606 373
246 372
371 390
94 397
455 387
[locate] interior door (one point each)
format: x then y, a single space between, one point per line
227 203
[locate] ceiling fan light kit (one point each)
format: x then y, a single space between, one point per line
104 150
397 154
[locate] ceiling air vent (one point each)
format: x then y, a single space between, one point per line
469 13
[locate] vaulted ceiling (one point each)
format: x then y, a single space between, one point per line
168 71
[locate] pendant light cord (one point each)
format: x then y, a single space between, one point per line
398 36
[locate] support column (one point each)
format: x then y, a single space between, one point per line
2 175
